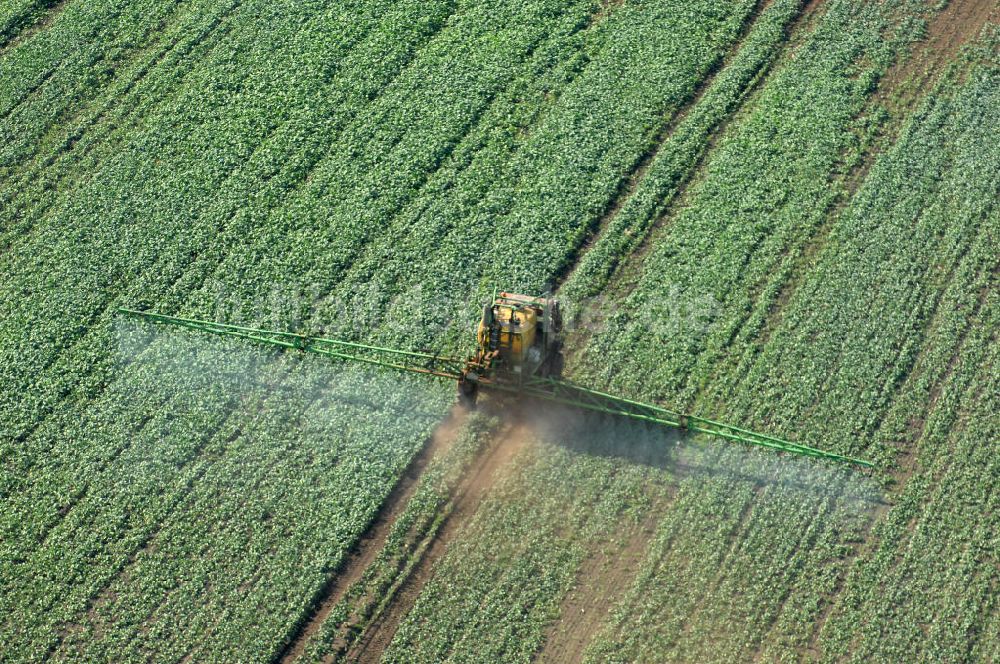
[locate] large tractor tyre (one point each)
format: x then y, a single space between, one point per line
467 393
557 322
557 365
554 365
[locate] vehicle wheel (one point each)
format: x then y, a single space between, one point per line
554 366
557 365
467 393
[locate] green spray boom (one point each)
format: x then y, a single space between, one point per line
489 370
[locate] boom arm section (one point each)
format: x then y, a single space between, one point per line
549 389
402 360
562 391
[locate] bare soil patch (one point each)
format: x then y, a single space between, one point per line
959 23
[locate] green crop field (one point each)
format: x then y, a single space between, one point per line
782 214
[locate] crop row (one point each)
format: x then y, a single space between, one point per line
774 532
895 265
49 165
940 419
765 192
85 356
224 495
63 66
103 206
412 532
17 15
62 473
677 156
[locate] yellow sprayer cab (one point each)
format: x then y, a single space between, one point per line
517 338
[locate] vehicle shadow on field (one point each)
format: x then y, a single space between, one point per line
680 456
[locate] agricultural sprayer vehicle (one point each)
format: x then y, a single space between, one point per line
518 351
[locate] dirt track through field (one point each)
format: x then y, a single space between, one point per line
367 548
507 443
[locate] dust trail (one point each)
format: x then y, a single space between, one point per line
445 433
